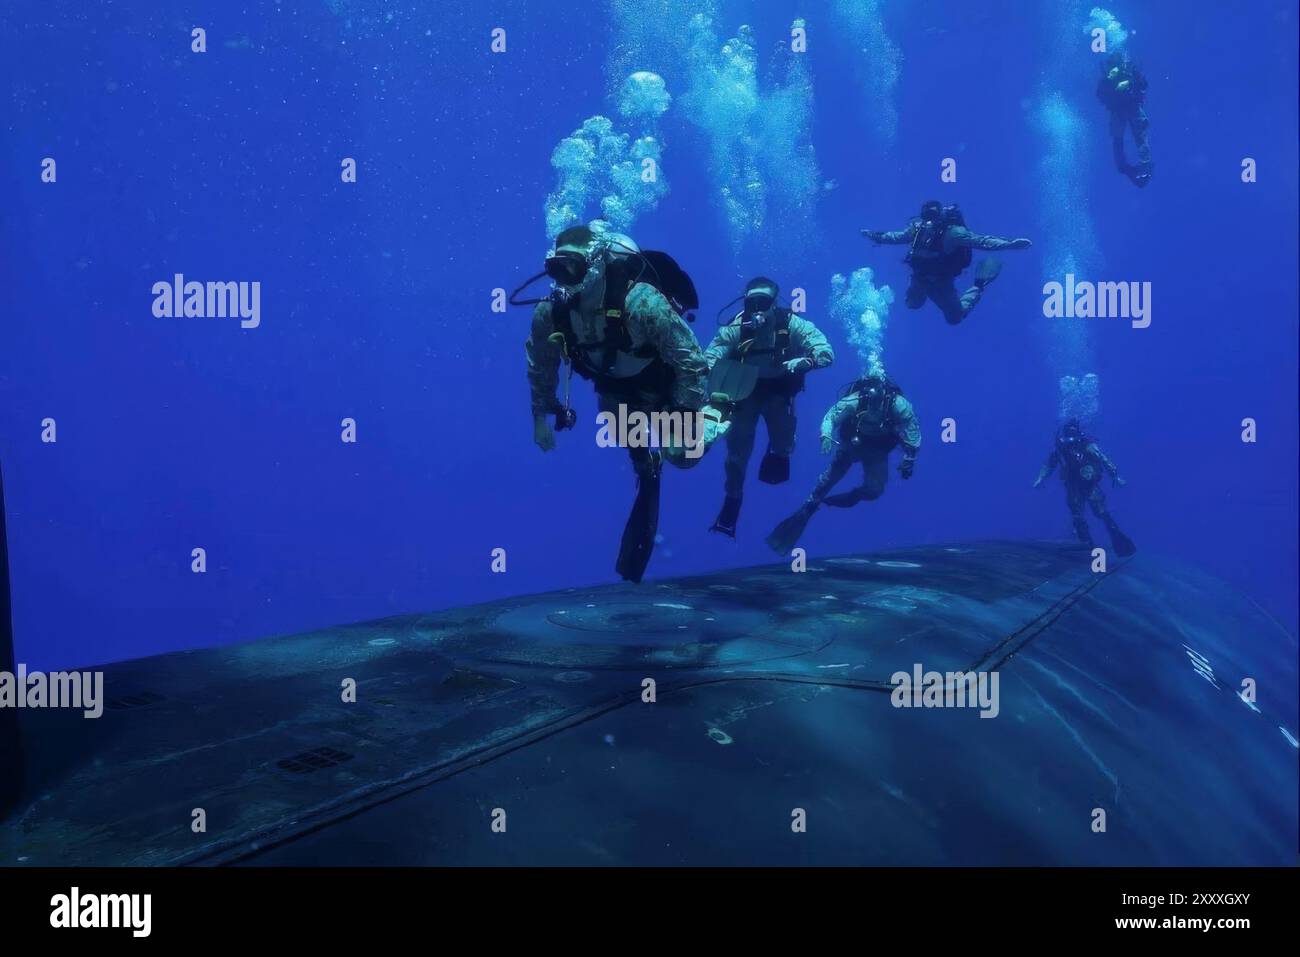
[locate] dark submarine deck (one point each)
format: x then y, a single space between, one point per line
772 694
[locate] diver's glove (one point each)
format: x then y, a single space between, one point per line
1020 244
796 366
828 445
872 234
906 466
543 434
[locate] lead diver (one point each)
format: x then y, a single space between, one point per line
615 316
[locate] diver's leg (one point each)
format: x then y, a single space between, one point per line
915 297
943 292
778 415
838 468
1117 123
875 474
1122 544
1074 498
643 522
787 533
740 446
1141 126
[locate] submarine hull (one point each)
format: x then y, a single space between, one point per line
743 717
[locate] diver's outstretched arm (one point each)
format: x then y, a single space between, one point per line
961 236
896 237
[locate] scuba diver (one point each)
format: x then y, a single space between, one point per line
615 316
940 251
1122 89
759 360
1082 461
870 419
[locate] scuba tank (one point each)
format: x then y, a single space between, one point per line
871 387
927 254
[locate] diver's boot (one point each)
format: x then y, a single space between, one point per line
639 532
787 534
1122 544
726 520
988 270
774 469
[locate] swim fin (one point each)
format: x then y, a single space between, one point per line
774 469
642 524
727 517
787 534
1122 544
987 271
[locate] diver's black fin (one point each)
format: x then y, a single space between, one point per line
786 535
988 270
639 533
11 755
725 523
1122 544
774 469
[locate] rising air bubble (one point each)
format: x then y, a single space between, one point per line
862 308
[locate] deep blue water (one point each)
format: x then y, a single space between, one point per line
376 297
